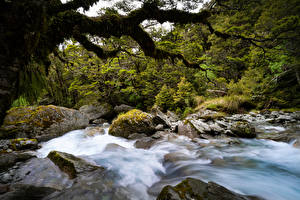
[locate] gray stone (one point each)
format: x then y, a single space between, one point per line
122 108
97 111
71 164
191 189
144 143
187 130
159 127
42 122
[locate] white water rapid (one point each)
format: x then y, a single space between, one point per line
254 167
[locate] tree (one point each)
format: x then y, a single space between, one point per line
30 30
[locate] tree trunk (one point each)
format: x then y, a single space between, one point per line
8 85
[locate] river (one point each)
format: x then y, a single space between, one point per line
259 167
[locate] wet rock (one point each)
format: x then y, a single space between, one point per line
26 192
98 184
159 127
4 145
176 156
191 189
144 143
296 143
243 129
160 134
23 143
96 111
113 147
40 173
4 188
135 136
168 120
93 131
187 130
200 126
98 121
42 122
70 164
134 121
122 108
8 160
216 129
218 162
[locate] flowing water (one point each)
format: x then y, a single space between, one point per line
249 166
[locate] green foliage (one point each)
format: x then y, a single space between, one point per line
237 74
21 101
164 99
228 104
184 96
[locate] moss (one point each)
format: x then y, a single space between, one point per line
134 121
214 116
63 163
22 143
131 117
228 104
42 116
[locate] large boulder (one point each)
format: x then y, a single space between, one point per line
42 122
134 121
71 164
97 111
8 160
242 129
194 189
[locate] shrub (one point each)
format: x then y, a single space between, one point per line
229 104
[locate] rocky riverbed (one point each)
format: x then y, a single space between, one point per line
156 150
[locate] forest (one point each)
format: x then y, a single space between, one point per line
202 97
252 64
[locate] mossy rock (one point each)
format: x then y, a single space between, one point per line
134 121
70 164
243 129
42 122
23 143
194 189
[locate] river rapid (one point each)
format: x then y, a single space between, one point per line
259 167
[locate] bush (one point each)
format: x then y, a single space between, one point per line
185 94
164 99
229 104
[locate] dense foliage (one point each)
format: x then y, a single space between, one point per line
253 58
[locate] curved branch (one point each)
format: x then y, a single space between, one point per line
96 49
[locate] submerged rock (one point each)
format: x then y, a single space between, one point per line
144 143
70 164
134 121
42 122
194 189
93 131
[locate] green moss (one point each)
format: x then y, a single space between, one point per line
228 104
63 163
131 117
214 116
22 143
42 116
